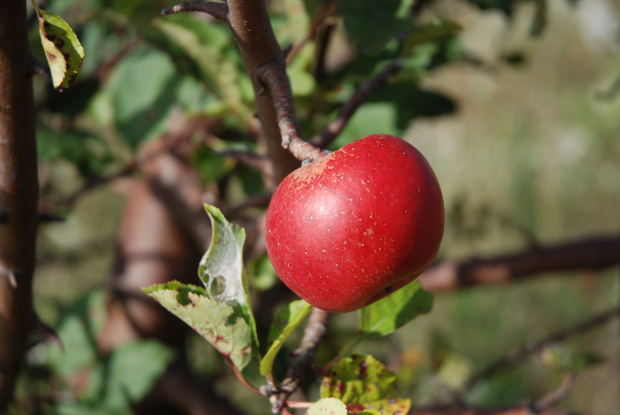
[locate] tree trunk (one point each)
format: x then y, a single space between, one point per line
18 193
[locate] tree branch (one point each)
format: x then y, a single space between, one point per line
592 253
555 396
251 159
304 356
334 128
326 9
172 141
217 10
273 76
523 353
18 193
254 35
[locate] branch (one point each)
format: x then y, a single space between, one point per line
327 8
524 352
254 35
18 194
592 253
335 127
304 356
257 201
217 10
173 141
556 395
273 76
39 68
251 159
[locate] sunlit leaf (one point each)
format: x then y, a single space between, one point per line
63 50
220 324
390 406
220 313
328 406
221 267
358 379
287 320
386 315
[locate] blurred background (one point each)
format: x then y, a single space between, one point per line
516 104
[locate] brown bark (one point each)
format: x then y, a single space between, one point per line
18 193
584 254
250 24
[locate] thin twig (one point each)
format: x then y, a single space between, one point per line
40 68
136 164
217 10
555 396
524 352
257 201
304 356
327 8
273 76
334 128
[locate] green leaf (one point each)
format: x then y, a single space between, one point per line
328 406
143 89
132 370
386 315
220 313
287 320
220 323
221 267
87 152
370 118
370 24
207 46
358 379
263 274
63 50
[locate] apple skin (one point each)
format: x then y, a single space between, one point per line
357 224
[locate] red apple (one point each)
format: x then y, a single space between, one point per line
357 224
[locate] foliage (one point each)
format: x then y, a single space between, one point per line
63 50
145 74
220 311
